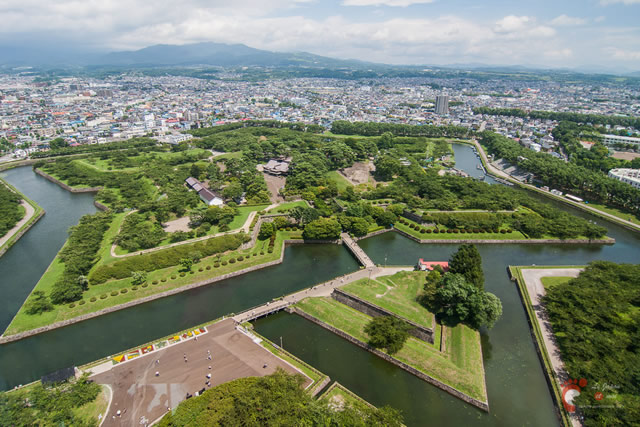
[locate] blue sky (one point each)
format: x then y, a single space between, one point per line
563 33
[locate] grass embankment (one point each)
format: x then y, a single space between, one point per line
116 292
460 366
516 274
397 293
341 182
514 235
285 207
37 211
616 212
338 396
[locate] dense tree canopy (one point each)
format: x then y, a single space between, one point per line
273 400
387 332
596 321
10 212
467 261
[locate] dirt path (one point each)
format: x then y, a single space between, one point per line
29 212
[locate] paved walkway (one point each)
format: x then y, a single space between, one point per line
321 290
139 394
27 216
532 280
357 251
495 171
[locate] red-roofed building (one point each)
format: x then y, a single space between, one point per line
429 265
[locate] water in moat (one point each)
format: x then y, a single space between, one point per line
515 381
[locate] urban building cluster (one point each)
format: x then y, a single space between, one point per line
88 111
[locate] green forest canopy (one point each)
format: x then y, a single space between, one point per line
596 320
10 212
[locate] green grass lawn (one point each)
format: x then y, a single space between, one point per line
284 207
551 281
340 180
24 322
92 410
230 155
460 366
616 212
397 293
338 396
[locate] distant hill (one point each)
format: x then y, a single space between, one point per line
216 54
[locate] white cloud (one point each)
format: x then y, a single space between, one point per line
567 21
396 3
625 55
627 2
511 23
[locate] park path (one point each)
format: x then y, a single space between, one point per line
532 280
29 212
321 290
495 171
245 228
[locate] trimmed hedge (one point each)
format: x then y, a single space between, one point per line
93 299
124 291
103 296
114 293
82 302
165 258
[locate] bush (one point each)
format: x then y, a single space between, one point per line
240 258
183 274
82 302
509 230
429 231
224 263
134 288
93 299
503 231
173 277
164 279
232 261
144 285
73 304
255 254
114 293
155 282
261 252
208 267
103 296
192 272
216 265
201 269
423 231
456 231
270 249
449 231
124 291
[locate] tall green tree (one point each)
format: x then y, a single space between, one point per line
468 262
387 332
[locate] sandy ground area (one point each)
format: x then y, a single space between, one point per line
359 173
29 211
274 184
624 155
180 224
141 395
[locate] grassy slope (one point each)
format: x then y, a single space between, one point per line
551 281
289 205
340 180
23 322
338 393
460 366
397 293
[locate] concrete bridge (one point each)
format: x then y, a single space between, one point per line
357 251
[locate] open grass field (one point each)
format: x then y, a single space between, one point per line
551 281
338 396
117 292
284 207
616 212
397 293
340 180
460 366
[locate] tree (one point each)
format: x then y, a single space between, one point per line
38 303
186 264
322 229
468 262
387 167
304 215
457 301
232 191
387 332
138 277
385 141
267 229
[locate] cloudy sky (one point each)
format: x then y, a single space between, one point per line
558 33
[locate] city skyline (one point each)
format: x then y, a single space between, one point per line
588 35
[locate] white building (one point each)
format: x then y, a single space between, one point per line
629 176
616 139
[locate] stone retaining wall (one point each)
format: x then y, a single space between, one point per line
65 186
21 233
416 218
100 206
368 308
608 241
63 323
451 390
375 233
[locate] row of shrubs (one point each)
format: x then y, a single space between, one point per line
165 258
423 230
